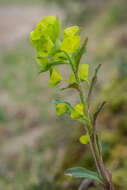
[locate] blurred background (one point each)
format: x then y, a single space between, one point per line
36 146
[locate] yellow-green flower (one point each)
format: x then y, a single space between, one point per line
45 35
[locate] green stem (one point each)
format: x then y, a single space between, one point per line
99 163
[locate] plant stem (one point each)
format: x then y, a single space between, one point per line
99 163
90 130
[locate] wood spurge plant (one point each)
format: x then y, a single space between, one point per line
53 52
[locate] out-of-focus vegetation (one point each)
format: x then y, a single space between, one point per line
35 146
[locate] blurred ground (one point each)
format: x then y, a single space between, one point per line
18 20
32 137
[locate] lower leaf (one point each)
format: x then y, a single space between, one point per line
80 172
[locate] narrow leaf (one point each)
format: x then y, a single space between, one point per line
72 85
45 64
80 172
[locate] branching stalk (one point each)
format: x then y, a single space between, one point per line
92 85
72 54
99 162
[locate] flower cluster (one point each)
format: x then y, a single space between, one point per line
52 52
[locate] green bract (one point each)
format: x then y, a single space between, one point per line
71 31
44 36
43 63
61 108
77 112
55 77
60 56
83 71
71 41
72 78
85 139
70 44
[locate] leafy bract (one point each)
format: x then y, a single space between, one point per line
55 77
83 71
43 46
61 104
43 63
61 108
72 78
71 31
60 56
71 85
77 112
85 139
58 101
45 35
70 44
80 172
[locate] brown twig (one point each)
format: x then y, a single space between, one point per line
92 85
86 184
100 165
97 113
110 180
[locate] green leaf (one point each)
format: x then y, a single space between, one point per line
80 172
55 77
45 64
83 71
61 108
57 101
84 139
72 85
60 56
70 44
45 35
71 31
77 112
